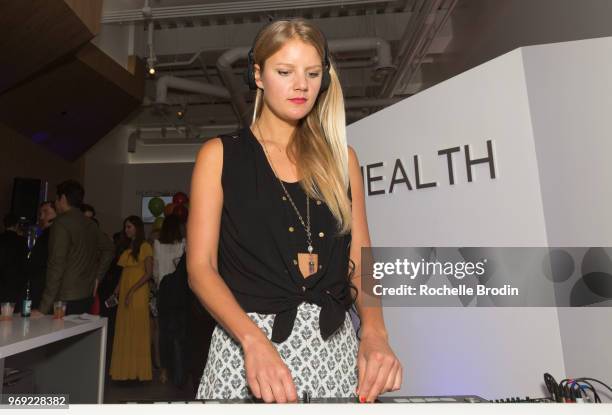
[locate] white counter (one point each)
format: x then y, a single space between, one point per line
67 355
21 334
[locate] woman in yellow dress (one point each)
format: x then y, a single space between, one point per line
131 356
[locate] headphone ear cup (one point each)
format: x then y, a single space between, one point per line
251 80
249 75
325 80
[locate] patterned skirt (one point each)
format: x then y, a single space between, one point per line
321 368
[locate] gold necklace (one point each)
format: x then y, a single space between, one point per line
306 226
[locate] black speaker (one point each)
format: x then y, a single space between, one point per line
26 197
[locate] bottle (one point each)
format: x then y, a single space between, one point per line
27 302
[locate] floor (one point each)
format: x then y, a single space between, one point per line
136 391
147 391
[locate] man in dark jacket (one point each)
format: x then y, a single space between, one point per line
13 254
36 268
79 254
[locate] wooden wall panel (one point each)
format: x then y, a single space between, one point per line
89 11
70 106
36 33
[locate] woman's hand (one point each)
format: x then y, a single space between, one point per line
379 369
266 373
128 297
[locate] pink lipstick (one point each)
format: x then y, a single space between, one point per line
298 100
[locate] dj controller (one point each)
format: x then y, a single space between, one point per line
382 399
576 390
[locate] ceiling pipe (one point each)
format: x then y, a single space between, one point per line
384 63
416 41
187 62
223 8
151 59
157 136
364 63
166 82
235 87
349 103
145 131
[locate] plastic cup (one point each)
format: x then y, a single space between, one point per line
59 309
6 311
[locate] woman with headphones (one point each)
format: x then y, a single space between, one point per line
276 226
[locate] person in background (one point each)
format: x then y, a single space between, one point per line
111 280
13 254
131 355
36 268
88 211
167 252
79 254
153 236
168 249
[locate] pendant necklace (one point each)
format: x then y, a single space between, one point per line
306 226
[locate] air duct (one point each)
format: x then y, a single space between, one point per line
172 82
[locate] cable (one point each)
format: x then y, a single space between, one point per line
595 394
575 388
596 397
565 389
598 381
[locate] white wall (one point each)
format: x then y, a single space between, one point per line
570 95
115 187
487 102
114 40
103 178
148 179
549 133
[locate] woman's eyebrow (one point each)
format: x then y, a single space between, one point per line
292 65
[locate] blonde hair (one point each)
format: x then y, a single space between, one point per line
319 143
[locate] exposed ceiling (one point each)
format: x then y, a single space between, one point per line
385 50
429 42
189 37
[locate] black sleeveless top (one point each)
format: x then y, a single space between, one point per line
261 235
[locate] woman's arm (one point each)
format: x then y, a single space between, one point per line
379 369
148 266
267 375
372 321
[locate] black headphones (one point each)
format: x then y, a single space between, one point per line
249 75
